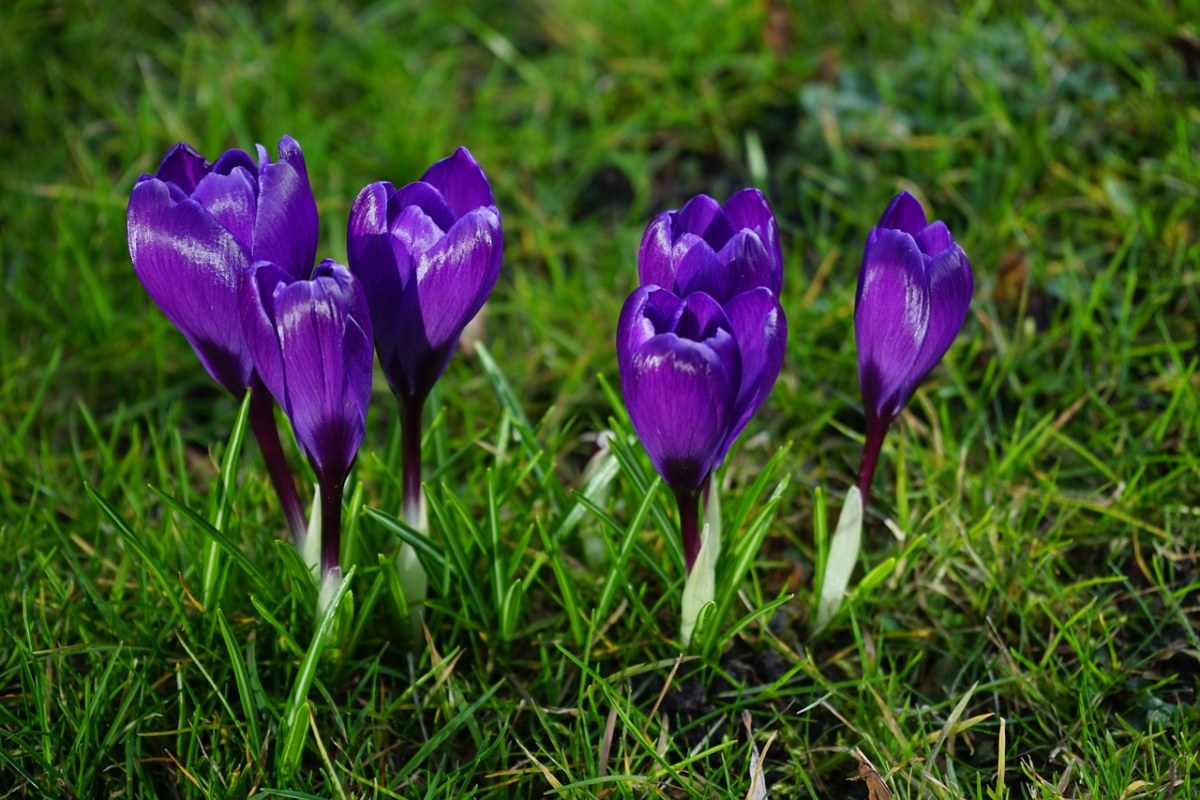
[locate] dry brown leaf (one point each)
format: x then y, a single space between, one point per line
876 788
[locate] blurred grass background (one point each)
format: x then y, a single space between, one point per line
1036 635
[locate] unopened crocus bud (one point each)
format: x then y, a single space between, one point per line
719 249
913 294
311 343
680 374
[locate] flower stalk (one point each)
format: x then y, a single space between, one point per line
410 436
262 422
689 525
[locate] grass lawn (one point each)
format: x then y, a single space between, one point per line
1028 623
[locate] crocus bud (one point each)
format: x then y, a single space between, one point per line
913 294
680 374
311 344
194 228
720 250
428 255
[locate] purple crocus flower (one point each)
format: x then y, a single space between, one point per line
428 255
913 294
310 340
681 374
194 229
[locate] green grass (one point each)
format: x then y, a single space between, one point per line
1036 633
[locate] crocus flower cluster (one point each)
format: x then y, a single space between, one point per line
914 290
226 250
194 230
701 341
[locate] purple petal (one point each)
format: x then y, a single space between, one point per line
950 288
680 398
190 266
230 160
425 197
382 271
456 275
231 200
256 305
452 281
656 255
750 210
327 359
904 213
357 345
182 166
699 317
285 231
748 263
934 238
699 270
462 182
760 328
703 216
416 233
891 316
647 312
369 214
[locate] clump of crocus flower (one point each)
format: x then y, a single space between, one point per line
310 339
913 294
699 346
428 255
194 229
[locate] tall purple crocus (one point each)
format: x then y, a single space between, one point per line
701 343
194 229
428 255
310 340
913 294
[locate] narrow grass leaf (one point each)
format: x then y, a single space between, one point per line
446 731
431 556
459 563
229 462
820 534
566 587
510 610
509 401
298 710
745 549
281 630
304 583
617 571
241 677
217 538
136 545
